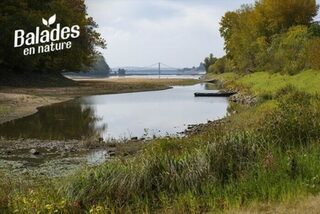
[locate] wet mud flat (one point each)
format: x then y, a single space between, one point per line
34 158
58 158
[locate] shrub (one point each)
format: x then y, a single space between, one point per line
231 157
296 121
313 53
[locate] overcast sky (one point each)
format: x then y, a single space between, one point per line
179 33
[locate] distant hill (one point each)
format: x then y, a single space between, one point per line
100 68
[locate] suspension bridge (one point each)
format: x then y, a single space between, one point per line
162 67
158 68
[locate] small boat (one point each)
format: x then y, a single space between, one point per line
214 94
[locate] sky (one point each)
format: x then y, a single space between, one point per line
179 33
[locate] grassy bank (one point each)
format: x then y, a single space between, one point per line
268 153
261 83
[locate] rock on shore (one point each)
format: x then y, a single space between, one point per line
243 99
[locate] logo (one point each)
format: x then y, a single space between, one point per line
46 39
51 20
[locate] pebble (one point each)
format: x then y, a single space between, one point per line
34 152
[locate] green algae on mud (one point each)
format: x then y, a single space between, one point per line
36 159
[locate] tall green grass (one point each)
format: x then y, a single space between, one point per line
263 154
275 161
262 83
296 121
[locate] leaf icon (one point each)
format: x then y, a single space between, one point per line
45 22
52 19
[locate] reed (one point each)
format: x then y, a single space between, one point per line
272 157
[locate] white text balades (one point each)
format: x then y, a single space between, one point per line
22 38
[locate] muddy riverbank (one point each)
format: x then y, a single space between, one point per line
20 102
56 158
49 158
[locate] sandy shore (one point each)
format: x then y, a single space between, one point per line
20 102
14 106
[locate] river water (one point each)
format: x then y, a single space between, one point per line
143 114
52 129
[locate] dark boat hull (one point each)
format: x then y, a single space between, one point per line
218 94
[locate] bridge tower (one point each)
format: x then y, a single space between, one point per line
159 68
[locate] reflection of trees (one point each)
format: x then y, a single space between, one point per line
209 86
61 121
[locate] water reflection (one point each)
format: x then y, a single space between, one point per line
68 120
128 115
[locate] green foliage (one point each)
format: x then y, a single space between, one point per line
221 65
225 77
314 29
260 83
224 167
27 15
239 33
275 16
231 156
271 35
288 50
274 161
293 122
208 61
313 53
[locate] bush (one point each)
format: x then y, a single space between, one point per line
313 53
296 121
230 158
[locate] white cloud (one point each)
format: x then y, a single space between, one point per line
142 32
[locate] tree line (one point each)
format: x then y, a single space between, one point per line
27 15
270 35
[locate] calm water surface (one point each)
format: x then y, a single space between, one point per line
197 76
79 77
119 116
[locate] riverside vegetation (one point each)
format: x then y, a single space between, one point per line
265 153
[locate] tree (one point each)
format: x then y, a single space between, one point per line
289 50
228 27
239 31
222 65
278 16
209 61
263 35
26 15
314 29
